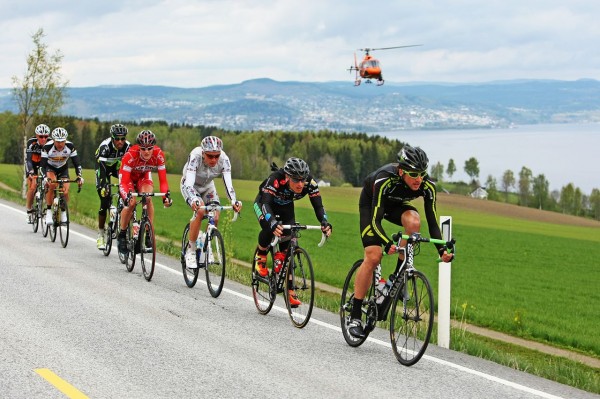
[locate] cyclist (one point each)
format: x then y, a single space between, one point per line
204 164
274 206
135 176
55 154
387 194
32 164
108 161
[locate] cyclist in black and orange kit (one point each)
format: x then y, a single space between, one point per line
32 164
274 206
387 194
108 162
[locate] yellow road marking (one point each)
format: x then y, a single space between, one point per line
61 384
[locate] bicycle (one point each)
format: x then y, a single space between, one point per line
140 237
407 294
294 272
60 205
38 205
111 230
210 251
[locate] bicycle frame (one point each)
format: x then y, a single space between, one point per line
210 210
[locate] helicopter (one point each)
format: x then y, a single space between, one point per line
369 67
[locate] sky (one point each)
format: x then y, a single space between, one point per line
187 43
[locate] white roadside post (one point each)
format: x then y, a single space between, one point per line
444 289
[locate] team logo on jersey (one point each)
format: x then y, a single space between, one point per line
276 183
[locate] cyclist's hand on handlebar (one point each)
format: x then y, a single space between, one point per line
47 181
196 204
237 206
445 255
277 229
326 228
80 181
390 248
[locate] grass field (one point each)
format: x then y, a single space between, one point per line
533 275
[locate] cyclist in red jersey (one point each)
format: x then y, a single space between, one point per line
135 175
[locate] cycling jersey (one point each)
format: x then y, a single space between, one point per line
108 161
34 156
274 197
56 160
134 169
384 193
198 178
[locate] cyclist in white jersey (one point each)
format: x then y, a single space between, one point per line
55 155
204 164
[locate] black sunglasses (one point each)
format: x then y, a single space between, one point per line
119 139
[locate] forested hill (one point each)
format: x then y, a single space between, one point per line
265 104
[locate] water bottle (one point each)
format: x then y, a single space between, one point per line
113 213
279 258
200 245
388 285
136 229
37 195
55 201
379 285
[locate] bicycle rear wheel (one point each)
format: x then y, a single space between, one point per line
189 275
412 317
263 288
369 308
63 228
214 263
147 243
42 211
301 280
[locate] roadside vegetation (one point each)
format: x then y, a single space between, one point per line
527 278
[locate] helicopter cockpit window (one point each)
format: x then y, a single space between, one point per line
372 64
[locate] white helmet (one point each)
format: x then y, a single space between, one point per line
42 130
60 134
211 144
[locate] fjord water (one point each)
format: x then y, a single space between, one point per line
564 153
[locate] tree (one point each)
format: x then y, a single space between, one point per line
508 181
541 190
595 203
472 168
437 171
524 185
40 93
492 188
451 168
567 197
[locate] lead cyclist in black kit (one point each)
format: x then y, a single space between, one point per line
387 194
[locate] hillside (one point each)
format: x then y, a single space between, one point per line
265 104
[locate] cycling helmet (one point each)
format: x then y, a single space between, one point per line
60 134
118 130
146 138
42 130
296 168
413 158
211 144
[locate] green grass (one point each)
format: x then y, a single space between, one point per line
530 279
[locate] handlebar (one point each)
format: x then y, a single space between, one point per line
218 207
300 227
62 181
417 237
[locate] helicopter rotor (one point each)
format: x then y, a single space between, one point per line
367 49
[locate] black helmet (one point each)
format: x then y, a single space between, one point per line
296 168
413 158
146 138
118 130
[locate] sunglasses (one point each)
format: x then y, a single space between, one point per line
147 148
212 156
42 137
119 139
414 174
296 179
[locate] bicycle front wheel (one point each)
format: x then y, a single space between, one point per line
412 317
189 275
214 263
63 228
131 244
108 234
55 221
263 288
300 287
35 216
42 215
147 243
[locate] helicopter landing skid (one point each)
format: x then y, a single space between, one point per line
357 82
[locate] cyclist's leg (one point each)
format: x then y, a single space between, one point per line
126 214
209 194
31 187
145 185
406 216
50 173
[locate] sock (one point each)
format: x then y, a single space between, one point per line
356 308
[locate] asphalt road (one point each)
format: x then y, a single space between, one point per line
75 321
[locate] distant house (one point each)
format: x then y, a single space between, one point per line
323 183
480 193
